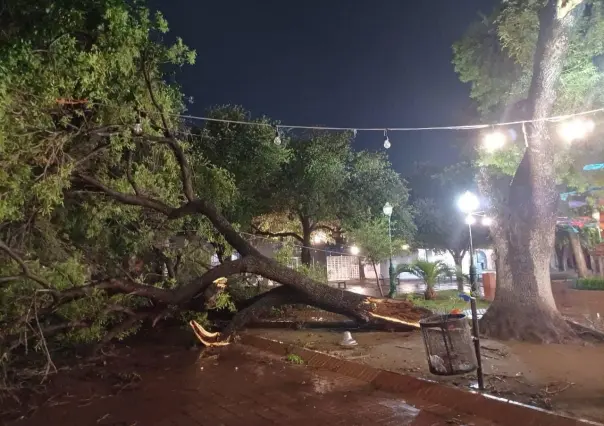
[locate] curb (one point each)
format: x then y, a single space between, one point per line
453 401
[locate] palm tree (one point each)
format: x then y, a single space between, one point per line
428 272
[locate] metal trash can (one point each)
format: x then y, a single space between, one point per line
449 346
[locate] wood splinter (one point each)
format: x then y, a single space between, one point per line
202 334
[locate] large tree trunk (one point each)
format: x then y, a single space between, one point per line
306 256
458 259
578 254
524 306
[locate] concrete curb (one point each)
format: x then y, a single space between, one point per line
448 399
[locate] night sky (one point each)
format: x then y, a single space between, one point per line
356 63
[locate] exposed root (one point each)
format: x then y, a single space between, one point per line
586 332
205 336
534 323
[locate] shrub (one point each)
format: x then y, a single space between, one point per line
591 283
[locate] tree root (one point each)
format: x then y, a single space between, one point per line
585 332
535 323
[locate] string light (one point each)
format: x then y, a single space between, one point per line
576 129
494 140
387 143
138 127
277 139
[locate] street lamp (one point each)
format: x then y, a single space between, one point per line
388 212
468 203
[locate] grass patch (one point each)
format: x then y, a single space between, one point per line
445 301
591 283
294 359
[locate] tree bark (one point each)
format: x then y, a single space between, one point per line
458 259
377 279
306 256
578 254
524 306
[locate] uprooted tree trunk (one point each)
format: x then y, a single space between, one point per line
524 306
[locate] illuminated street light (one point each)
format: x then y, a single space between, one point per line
354 250
486 221
468 202
494 140
405 247
576 129
387 209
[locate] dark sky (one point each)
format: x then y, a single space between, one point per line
354 63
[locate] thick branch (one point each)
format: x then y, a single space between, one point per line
185 170
26 271
133 200
257 231
129 176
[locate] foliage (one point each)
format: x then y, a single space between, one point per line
591 283
285 256
327 187
427 271
496 57
294 359
444 302
372 239
73 85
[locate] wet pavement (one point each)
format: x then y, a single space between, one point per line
239 386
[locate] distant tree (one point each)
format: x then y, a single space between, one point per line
325 185
428 272
372 239
440 224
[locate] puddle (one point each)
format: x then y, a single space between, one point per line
404 412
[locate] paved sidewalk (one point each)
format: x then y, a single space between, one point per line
245 387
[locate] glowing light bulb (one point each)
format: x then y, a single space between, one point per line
470 220
319 238
486 221
468 202
493 141
354 250
405 247
576 129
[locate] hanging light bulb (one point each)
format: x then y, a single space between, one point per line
576 129
494 140
387 143
277 139
138 127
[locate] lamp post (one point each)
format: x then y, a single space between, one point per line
388 212
468 203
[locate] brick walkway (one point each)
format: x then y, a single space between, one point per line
244 387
